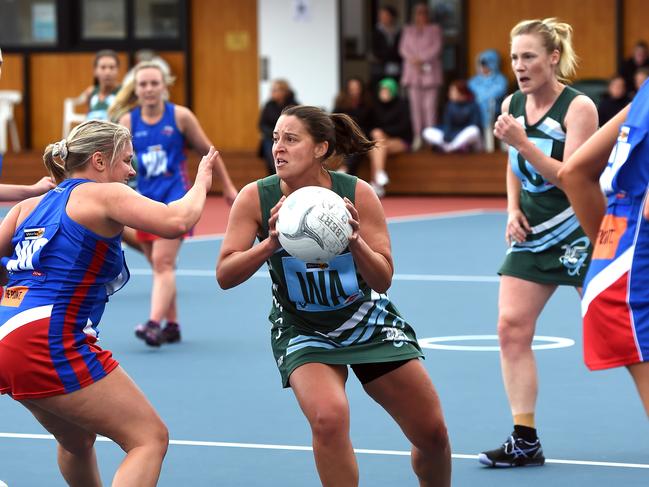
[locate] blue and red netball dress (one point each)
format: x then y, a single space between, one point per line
60 277
161 158
615 306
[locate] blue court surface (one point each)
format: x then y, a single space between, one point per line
232 424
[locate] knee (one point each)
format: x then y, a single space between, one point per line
154 436
330 421
377 134
158 438
78 445
432 437
162 263
514 331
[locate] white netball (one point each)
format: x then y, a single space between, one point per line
313 224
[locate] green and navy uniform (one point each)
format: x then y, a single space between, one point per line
326 313
556 251
97 108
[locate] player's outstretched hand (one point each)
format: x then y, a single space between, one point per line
205 168
43 185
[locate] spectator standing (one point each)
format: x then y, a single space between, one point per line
386 60
356 102
281 96
421 47
489 87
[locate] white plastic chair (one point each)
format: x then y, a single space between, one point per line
70 116
9 98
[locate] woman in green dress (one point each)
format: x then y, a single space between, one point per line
328 317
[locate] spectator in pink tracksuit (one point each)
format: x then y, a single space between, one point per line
421 47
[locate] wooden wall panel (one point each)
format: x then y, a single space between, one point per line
12 79
54 77
225 71
636 27
490 21
176 61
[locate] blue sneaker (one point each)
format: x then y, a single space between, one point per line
515 452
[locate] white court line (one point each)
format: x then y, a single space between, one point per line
395 219
262 446
396 277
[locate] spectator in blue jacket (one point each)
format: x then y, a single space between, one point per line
489 86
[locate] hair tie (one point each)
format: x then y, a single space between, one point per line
60 149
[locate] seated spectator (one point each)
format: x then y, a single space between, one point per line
390 128
101 94
385 59
461 128
614 100
281 96
639 59
639 78
489 86
357 103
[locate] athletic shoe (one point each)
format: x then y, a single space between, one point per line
149 332
515 452
381 178
171 333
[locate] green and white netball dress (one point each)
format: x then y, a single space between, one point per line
556 251
326 313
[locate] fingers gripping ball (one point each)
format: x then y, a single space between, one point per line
313 224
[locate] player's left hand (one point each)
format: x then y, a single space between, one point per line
354 221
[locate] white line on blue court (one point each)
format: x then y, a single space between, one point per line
262 446
397 277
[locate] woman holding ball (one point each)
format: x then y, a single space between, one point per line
328 316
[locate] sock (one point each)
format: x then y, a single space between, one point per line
526 433
152 323
525 419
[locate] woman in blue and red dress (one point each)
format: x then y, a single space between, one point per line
62 260
615 304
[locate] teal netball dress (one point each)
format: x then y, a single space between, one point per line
326 313
556 251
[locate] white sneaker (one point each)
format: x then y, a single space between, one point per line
381 178
378 189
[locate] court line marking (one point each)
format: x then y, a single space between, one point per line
397 277
262 446
439 343
395 219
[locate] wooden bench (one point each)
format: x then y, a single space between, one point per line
419 173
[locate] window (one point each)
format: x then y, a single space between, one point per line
28 23
103 19
157 19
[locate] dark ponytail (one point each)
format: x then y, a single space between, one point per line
343 135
